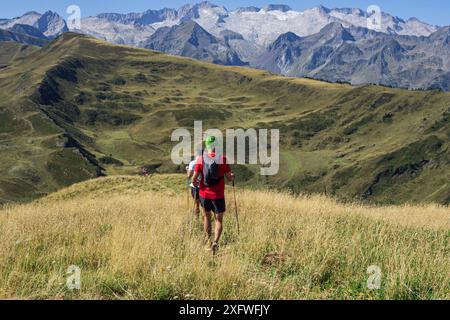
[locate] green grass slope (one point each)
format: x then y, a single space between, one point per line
80 108
10 50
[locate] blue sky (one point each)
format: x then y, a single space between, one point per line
432 11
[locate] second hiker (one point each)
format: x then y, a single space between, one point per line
195 191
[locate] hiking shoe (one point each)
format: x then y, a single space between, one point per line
207 244
214 247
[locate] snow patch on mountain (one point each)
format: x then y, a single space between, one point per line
116 32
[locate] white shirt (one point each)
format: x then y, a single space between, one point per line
191 168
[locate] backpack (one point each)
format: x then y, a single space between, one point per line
211 171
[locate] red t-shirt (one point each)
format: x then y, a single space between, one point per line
213 192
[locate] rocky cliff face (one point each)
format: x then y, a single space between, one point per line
50 23
323 43
190 40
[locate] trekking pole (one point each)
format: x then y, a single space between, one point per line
192 222
187 193
235 207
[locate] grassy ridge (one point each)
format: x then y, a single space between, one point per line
80 108
12 50
131 242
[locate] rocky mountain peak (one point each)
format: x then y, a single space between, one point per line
51 24
336 30
278 7
441 34
247 9
284 39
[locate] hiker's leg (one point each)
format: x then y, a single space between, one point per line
196 197
197 209
197 202
218 228
207 223
219 209
206 205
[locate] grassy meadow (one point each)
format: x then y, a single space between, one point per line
131 240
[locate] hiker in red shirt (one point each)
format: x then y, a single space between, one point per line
212 168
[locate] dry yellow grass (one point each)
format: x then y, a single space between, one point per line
135 244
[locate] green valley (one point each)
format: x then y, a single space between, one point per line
80 108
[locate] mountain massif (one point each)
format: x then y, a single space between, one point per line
337 45
190 40
50 24
32 28
359 56
81 108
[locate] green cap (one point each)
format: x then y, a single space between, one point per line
209 142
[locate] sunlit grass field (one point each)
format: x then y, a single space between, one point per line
131 239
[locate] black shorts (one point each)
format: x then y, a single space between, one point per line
195 193
217 206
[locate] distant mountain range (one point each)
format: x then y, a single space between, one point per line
322 43
358 55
